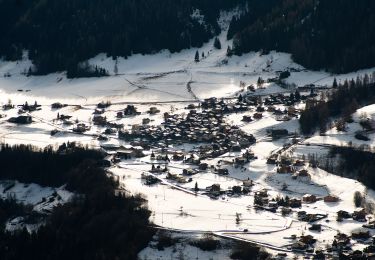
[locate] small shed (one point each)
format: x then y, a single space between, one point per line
309 198
331 198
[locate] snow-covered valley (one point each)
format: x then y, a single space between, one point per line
181 201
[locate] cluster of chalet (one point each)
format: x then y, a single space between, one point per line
281 115
100 120
270 104
262 201
277 133
197 127
246 103
160 166
24 108
222 107
358 215
214 191
97 119
287 165
308 217
126 152
287 100
29 108
303 243
81 128
340 248
342 245
130 110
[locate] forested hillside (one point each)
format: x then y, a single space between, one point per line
59 34
342 102
97 224
336 35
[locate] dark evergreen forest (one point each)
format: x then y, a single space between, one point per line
336 35
97 224
353 163
60 34
340 103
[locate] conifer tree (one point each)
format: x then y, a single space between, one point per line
196 56
217 43
334 85
229 51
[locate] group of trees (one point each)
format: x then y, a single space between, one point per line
247 251
354 163
256 10
342 101
217 43
86 72
358 199
9 208
61 34
328 34
97 224
332 34
46 167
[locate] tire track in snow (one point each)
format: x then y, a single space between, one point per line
143 87
188 86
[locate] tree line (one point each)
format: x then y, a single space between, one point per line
344 99
352 162
96 224
9 207
335 35
328 34
28 164
61 34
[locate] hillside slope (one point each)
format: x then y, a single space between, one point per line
336 35
59 34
